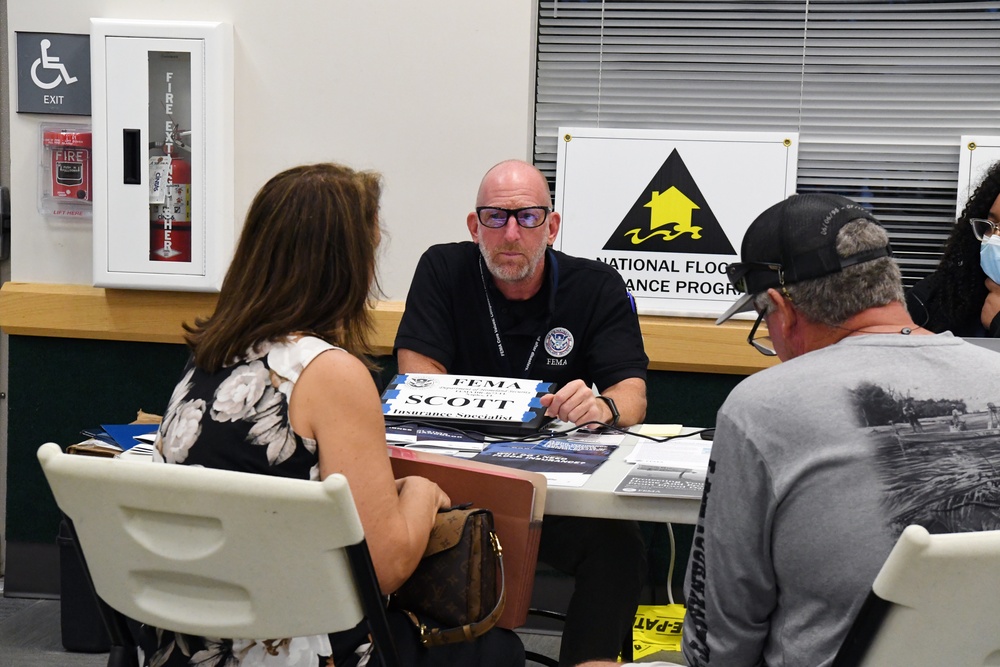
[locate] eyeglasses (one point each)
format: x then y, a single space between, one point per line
737 272
528 217
983 229
762 344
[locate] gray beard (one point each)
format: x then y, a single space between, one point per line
509 274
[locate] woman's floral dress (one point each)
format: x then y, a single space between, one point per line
237 419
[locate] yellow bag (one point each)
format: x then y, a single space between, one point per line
657 628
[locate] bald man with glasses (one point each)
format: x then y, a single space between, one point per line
507 304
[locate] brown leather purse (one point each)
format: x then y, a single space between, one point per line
459 581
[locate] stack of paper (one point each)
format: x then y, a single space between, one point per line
428 438
675 468
112 440
658 430
95 447
686 452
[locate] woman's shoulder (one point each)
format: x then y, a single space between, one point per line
333 385
337 371
289 357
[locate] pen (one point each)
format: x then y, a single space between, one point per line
631 300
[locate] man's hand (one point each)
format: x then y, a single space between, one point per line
991 307
576 403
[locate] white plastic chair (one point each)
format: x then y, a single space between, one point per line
219 553
936 601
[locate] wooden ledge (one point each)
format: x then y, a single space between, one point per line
80 311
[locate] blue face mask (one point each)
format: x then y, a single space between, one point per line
989 257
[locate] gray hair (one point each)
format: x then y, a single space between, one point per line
832 299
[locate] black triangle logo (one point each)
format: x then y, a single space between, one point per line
671 215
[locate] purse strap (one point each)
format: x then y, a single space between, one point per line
469 631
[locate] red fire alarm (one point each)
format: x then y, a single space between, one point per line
71 163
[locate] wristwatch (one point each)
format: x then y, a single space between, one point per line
613 408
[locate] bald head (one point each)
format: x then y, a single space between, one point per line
514 175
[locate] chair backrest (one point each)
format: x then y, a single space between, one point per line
213 552
935 602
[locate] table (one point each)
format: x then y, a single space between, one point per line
597 498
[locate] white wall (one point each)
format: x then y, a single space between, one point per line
431 94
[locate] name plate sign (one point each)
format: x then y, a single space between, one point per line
491 404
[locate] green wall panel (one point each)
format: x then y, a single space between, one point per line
691 399
57 387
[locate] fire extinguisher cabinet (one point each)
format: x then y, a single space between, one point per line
163 153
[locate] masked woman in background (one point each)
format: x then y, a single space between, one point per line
277 385
963 293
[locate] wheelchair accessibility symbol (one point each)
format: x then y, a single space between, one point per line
47 62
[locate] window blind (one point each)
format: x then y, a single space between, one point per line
879 92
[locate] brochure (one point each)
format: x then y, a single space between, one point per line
126 435
563 463
676 468
653 480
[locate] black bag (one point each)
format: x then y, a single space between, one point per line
456 582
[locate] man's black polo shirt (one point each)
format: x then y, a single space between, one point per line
585 329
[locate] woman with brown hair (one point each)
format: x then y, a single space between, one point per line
277 385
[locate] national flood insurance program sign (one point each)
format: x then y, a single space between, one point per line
668 209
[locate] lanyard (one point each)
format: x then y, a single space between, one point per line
496 329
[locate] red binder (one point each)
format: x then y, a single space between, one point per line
517 500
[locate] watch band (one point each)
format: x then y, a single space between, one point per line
614 410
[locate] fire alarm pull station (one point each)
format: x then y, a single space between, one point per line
65 171
163 153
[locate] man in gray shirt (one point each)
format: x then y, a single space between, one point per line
820 462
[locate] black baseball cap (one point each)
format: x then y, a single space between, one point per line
792 241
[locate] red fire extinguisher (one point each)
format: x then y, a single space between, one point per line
170 222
